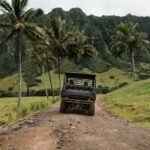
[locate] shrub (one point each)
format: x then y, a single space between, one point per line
32 107
43 105
102 89
112 77
123 84
32 93
23 112
144 76
37 107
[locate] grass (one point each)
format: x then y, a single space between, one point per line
119 76
132 103
102 79
29 105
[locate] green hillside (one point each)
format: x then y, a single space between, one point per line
103 79
132 103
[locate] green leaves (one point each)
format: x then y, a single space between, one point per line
5 6
23 3
127 38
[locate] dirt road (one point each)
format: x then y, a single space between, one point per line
51 131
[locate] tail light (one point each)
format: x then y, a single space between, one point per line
65 97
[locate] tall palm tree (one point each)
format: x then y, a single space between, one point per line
128 39
40 60
60 33
46 56
17 23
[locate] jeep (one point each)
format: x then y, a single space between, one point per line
78 92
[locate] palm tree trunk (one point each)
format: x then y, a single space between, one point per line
18 46
50 79
46 92
59 74
28 90
133 65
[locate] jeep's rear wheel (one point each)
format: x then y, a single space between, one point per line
91 110
62 107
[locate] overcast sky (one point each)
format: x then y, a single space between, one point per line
97 7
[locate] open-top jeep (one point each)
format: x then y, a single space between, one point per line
79 91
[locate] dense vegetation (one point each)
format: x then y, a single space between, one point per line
99 31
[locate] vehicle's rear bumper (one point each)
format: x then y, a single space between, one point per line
76 101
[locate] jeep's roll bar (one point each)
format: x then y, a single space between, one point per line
80 75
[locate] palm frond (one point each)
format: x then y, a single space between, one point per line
12 18
23 3
55 23
16 8
5 25
5 5
70 34
33 33
32 13
9 36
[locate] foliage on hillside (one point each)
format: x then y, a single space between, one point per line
99 31
110 78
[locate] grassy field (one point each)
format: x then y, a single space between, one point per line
102 79
132 103
119 76
29 105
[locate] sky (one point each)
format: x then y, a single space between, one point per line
97 7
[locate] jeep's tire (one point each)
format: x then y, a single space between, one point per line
91 110
62 107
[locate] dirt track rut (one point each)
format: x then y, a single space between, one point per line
53 131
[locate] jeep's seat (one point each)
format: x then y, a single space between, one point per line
85 85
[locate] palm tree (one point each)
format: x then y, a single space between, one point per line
17 23
128 39
45 56
59 34
39 58
78 47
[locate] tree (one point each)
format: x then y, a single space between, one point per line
59 36
7 65
17 22
128 39
78 47
30 72
43 56
37 56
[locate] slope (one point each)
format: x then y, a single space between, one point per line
132 102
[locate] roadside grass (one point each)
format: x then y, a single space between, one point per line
104 79
132 103
29 105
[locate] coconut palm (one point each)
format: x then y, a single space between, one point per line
128 39
44 56
78 47
39 58
17 24
59 36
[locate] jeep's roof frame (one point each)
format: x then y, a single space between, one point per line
80 75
